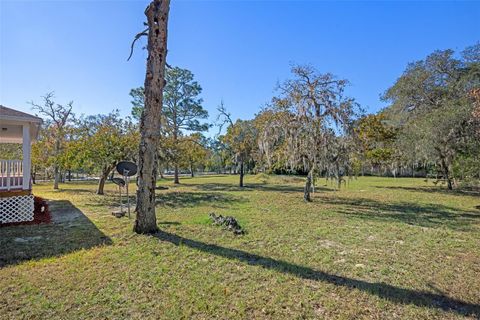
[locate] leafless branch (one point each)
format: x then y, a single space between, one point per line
224 117
137 36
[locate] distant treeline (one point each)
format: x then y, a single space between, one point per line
431 128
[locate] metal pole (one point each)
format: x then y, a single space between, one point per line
121 202
125 172
128 198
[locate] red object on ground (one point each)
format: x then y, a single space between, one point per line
41 214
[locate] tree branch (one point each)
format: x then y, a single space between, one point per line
137 36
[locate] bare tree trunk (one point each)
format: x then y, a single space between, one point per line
339 176
449 183
157 19
103 179
34 174
308 184
176 179
56 170
160 167
56 178
191 170
446 173
241 174
101 183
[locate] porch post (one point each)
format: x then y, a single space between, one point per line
26 146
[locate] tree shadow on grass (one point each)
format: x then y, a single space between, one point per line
424 215
69 231
74 191
171 199
437 189
382 290
169 223
251 187
193 199
109 201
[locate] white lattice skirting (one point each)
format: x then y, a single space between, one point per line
16 209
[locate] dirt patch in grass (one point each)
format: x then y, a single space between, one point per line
70 230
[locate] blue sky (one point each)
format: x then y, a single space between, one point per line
237 50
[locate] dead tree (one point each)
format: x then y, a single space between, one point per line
157 21
59 116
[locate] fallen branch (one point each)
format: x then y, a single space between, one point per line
230 223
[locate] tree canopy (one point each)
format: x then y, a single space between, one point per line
311 126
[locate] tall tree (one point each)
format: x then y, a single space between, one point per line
432 102
220 157
104 140
312 105
376 140
150 121
182 109
273 151
241 137
194 152
59 117
138 102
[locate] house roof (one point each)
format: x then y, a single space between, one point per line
12 114
12 123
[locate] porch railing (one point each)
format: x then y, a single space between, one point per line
11 174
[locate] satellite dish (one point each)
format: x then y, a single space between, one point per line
127 168
119 182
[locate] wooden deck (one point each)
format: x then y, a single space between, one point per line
14 193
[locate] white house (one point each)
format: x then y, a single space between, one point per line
16 199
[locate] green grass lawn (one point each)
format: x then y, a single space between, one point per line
382 248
